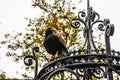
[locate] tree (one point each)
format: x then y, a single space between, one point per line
55 14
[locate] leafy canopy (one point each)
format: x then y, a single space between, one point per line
55 14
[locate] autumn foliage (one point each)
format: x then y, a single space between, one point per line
55 14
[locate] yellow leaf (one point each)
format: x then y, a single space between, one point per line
96 60
37 55
82 53
93 78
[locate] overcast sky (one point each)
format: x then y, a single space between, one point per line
13 12
110 9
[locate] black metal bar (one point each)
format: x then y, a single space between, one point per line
35 49
109 32
110 73
36 68
90 44
61 70
88 24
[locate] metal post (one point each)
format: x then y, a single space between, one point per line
109 33
90 45
35 49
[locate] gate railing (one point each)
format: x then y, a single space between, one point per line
95 63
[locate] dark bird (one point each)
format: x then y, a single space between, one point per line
54 44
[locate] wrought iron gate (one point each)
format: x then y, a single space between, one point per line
94 63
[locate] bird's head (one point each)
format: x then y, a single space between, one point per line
48 32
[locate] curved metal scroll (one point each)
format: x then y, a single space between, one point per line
28 60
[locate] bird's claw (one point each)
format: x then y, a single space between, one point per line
56 56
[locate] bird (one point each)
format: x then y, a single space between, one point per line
54 44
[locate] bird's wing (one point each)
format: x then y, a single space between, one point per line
47 47
50 43
61 41
59 37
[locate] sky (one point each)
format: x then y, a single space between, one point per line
13 12
110 9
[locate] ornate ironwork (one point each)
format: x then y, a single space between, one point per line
93 64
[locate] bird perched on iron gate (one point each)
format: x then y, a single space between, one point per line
54 44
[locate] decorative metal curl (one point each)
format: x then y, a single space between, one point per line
30 57
28 60
76 23
96 16
92 15
88 21
98 73
62 70
80 72
106 22
110 30
81 15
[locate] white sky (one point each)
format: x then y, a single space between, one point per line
110 9
13 12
